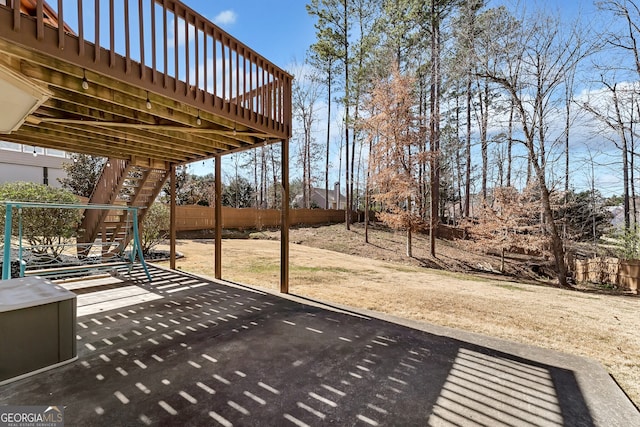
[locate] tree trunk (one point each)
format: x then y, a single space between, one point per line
422 169
567 127
634 216
458 162
354 138
483 95
359 169
366 208
274 171
625 157
556 242
308 167
347 210
305 189
263 177
467 187
326 165
435 127
625 182
409 237
255 178
367 195
557 247
593 210
510 143
237 193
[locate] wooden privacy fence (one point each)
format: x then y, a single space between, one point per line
190 218
622 273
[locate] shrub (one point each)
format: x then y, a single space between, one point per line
47 230
155 227
629 244
83 173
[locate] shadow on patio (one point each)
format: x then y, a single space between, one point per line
187 351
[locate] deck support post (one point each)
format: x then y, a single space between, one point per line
172 217
284 220
218 218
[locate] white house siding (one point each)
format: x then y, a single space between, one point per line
24 166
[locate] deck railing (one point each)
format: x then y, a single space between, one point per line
104 193
165 47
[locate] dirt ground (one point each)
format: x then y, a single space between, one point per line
343 270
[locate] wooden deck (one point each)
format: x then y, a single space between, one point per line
150 79
149 82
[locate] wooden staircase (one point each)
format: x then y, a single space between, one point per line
134 183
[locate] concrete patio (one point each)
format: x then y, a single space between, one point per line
183 350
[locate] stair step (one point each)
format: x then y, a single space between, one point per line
138 185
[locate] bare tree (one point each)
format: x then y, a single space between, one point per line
628 11
624 39
544 55
364 13
323 56
333 26
305 95
568 91
489 55
465 31
437 13
620 100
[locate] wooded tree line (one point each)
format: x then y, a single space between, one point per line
251 179
448 106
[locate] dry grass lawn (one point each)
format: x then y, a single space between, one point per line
600 326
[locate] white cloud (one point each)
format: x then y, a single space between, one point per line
226 17
181 33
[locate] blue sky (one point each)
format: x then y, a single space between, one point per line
282 30
279 30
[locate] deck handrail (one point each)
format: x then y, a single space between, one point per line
167 48
107 187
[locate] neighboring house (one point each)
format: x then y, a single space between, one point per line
336 200
19 162
617 213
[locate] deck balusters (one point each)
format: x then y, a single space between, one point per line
220 74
